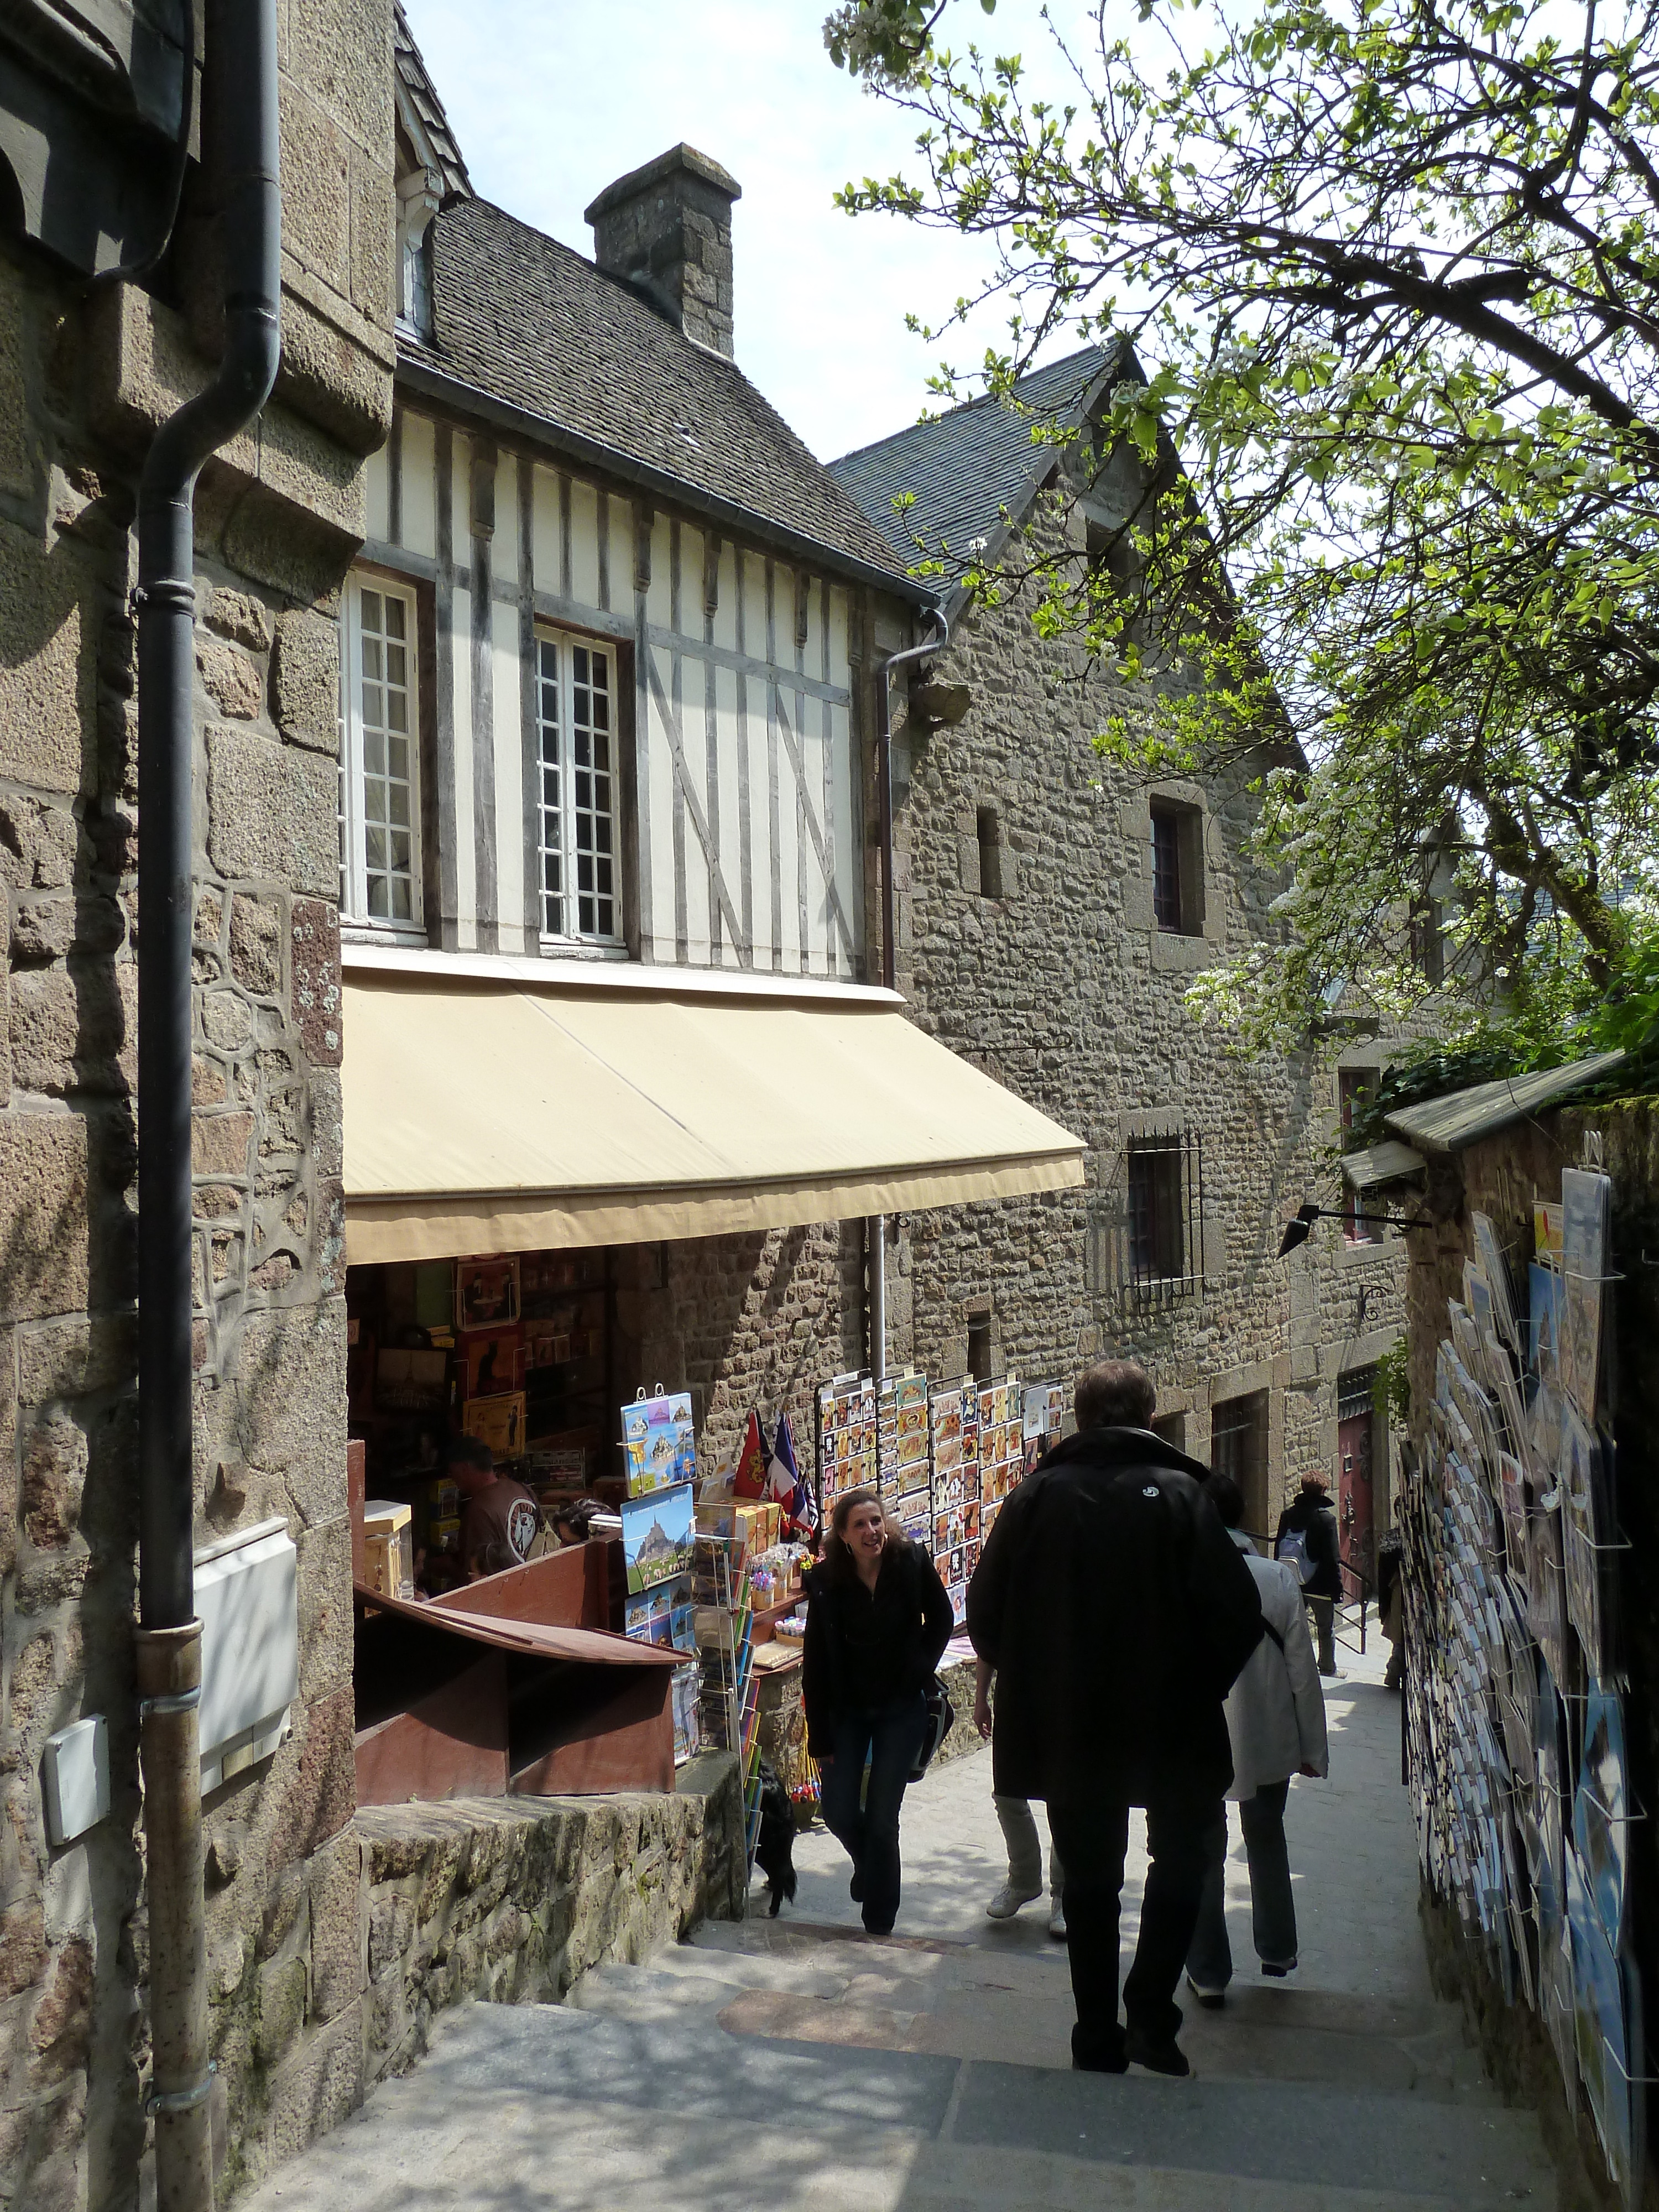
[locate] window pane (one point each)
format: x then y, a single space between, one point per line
386 710
1166 870
573 687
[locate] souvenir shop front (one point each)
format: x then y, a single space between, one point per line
512 1147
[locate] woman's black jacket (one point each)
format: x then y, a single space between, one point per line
928 1624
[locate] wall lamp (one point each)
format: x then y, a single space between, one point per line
1299 1228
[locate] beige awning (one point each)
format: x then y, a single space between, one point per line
486 1116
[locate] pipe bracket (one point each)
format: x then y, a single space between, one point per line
176 1701
181 2100
165 592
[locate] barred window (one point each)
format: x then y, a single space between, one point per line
1150 1243
576 718
380 782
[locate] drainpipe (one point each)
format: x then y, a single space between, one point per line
241 54
875 1235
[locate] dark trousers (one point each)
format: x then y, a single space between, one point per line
1272 1907
1323 1610
890 1737
1092 1840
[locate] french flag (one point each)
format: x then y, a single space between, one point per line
783 1479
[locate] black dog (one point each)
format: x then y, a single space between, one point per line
774 1851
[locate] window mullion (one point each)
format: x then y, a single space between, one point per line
567 785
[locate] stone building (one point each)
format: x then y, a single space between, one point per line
89 137
641 627
1052 912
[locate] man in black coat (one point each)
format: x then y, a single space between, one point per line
1117 1612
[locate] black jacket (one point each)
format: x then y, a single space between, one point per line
1310 1511
924 1620
1117 1612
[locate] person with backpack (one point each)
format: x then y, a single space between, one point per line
1306 1542
1276 1727
877 1619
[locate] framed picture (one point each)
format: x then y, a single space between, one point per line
497 1422
495 1361
486 1293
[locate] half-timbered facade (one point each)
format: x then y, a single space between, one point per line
606 642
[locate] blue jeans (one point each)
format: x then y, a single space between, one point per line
890 1737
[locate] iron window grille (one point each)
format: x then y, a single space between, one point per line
1356 1393
1151 1243
576 732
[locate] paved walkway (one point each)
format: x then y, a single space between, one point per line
796 2065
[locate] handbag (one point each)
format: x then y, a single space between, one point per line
941 1719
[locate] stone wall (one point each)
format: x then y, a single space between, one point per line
1061 987
759 1319
83 383
511 1900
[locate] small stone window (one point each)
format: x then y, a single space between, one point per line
979 1349
1238 1448
990 852
1177 868
1355 1088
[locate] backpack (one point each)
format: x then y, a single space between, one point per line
1292 1552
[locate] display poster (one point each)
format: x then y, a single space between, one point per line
486 1293
659 1443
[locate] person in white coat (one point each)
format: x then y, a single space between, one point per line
1276 1722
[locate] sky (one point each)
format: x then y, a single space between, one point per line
552 101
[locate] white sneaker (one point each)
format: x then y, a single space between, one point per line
1008 1900
1057 1918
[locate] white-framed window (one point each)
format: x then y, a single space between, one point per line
379 760
577 829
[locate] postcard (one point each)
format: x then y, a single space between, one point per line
1601 1815
1546 1302
1546 1231
1584 1210
1495 1268
486 1293
657 1536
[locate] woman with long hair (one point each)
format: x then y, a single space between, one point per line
877 1621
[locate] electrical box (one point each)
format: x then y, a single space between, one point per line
247 1598
75 1779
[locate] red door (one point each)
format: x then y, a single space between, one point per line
1356 1524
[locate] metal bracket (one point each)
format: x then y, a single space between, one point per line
175 1701
181 2100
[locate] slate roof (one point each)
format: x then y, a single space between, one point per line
965 467
417 88
528 322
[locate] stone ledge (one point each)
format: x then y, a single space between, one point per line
510 1899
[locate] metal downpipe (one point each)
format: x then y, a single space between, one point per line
240 55
875 1230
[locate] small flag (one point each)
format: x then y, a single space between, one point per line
786 1483
750 1479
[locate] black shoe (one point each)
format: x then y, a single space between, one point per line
1165 2057
884 1928
1211 2000
856 1887
1092 2059
1278 1973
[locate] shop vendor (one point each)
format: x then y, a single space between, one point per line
500 1519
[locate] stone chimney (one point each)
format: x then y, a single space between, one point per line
666 228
